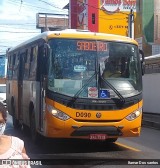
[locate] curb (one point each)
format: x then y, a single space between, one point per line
151 124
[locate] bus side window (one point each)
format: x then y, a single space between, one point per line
33 62
9 67
22 56
26 64
42 64
15 64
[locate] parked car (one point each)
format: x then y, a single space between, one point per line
3 94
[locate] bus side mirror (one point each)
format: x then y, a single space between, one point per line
46 55
141 53
47 50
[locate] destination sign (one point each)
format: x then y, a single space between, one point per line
91 46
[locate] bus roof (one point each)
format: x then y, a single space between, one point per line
79 34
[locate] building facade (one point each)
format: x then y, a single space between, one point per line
107 16
156 21
151 27
113 17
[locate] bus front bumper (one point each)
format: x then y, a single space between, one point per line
71 128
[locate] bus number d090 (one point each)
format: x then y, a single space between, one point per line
83 114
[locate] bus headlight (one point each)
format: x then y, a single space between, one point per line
134 114
57 113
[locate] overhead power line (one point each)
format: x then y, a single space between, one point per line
3 46
51 5
17 32
21 5
14 24
20 28
33 6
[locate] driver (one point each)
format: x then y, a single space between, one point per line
111 69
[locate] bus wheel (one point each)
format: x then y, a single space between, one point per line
25 129
16 123
111 140
34 134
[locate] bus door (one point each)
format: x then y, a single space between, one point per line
41 76
20 85
14 111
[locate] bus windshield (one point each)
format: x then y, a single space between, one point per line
91 64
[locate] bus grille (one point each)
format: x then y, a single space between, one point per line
98 121
100 106
87 130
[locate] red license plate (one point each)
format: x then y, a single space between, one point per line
98 137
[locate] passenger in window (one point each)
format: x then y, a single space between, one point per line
57 69
124 67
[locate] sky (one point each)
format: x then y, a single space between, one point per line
18 19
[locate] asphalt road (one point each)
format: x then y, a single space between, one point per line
94 154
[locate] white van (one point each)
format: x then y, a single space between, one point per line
3 93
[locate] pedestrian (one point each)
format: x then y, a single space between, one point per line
10 147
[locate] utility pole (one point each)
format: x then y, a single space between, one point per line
131 24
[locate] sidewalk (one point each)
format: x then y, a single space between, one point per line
151 120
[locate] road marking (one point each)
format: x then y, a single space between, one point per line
129 147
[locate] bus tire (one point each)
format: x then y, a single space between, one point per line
15 121
25 129
33 131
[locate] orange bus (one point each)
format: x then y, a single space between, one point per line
76 84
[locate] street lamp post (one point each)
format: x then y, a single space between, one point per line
131 24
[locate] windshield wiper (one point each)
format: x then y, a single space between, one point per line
75 97
122 99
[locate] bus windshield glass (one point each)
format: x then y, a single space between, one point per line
78 64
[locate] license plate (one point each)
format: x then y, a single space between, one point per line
98 137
